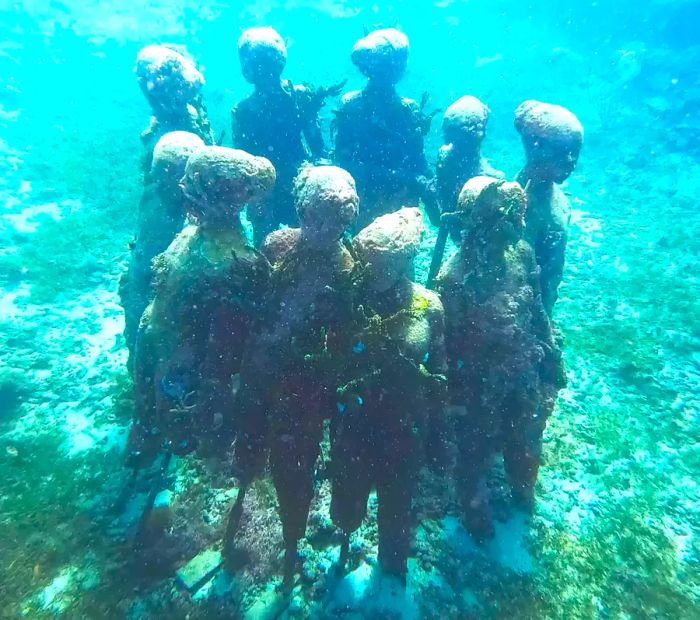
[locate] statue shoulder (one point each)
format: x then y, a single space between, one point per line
525 253
427 301
410 104
351 99
279 243
175 259
444 155
450 277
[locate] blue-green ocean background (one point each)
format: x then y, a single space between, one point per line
615 532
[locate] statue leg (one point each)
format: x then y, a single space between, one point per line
134 292
396 479
351 471
476 442
522 450
293 456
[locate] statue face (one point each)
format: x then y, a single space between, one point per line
384 270
467 134
321 228
168 180
326 202
260 74
263 55
507 231
551 160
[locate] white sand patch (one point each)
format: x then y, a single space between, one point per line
27 219
8 302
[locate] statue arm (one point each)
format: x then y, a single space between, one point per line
437 430
553 372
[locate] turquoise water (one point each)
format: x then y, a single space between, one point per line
614 529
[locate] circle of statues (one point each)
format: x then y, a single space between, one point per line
318 324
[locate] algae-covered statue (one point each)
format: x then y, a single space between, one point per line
206 288
161 216
504 366
379 135
459 158
391 408
280 121
552 137
172 85
289 374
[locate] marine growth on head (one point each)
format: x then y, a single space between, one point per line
464 121
326 203
382 56
170 157
263 55
493 210
219 181
168 79
552 137
389 245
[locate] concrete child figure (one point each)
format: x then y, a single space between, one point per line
279 121
392 406
288 380
504 366
161 216
459 159
552 137
172 86
206 285
379 134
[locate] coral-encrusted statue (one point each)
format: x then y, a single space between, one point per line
289 376
161 216
172 86
379 134
278 121
552 137
391 407
459 159
206 287
504 366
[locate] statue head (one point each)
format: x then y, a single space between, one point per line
326 202
552 137
389 246
492 210
464 122
169 80
170 157
219 181
263 55
382 55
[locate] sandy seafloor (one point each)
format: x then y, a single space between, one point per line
617 520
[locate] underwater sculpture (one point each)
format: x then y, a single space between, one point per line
392 405
289 374
279 120
172 86
552 137
379 135
206 285
161 216
459 159
505 368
